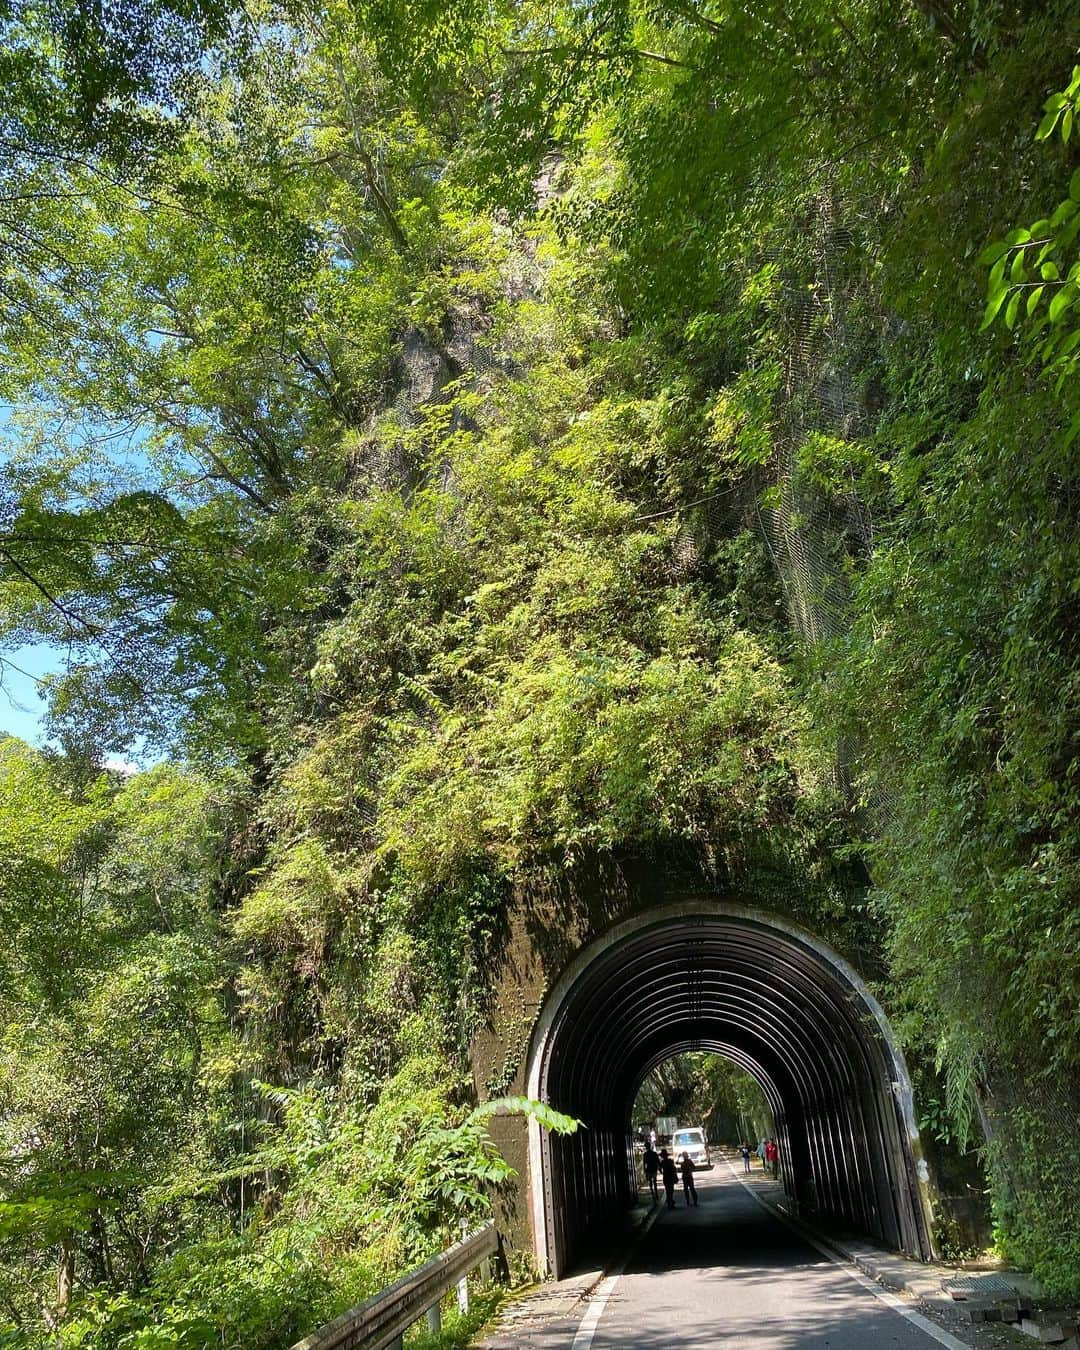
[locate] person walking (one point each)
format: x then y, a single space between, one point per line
744 1149
670 1175
772 1157
760 1151
686 1167
650 1161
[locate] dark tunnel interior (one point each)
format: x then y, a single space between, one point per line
776 1002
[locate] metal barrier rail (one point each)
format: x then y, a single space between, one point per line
383 1319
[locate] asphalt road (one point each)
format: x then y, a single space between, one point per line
728 1273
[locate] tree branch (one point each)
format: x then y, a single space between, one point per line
69 614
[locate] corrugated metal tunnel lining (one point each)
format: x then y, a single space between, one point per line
773 999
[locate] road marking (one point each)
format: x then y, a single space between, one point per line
885 1295
598 1299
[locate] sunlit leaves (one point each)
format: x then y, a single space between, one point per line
1060 111
1034 274
109 1023
447 535
543 1113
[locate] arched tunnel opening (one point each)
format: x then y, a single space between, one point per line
773 999
703 1092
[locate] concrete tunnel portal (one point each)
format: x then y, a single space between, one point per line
778 1002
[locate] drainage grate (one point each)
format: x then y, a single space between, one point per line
978 1284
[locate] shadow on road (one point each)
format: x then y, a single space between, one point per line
727 1272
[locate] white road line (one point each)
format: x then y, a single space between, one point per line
885 1295
603 1291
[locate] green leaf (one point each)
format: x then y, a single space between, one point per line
1071 343
1068 233
541 1112
1012 307
1033 299
993 304
1049 271
993 252
1047 125
1018 271
1067 125
1062 301
1018 236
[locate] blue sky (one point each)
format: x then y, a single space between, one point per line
21 707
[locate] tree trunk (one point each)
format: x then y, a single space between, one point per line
65 1276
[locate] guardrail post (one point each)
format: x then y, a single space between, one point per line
485 1271
463 1283
383 1318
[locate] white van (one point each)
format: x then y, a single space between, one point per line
692 1141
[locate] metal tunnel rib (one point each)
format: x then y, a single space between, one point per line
779 1005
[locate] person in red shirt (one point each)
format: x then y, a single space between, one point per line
772 1157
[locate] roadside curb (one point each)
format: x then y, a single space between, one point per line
557 1301
924 1281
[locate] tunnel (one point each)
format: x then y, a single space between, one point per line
770 996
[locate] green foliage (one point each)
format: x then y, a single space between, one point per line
345 1203
708 1090
542 1112
459 1330
956 679
1034 279
110 1021
1029 1178
460 545
211 1293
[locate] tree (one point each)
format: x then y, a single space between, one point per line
109 1018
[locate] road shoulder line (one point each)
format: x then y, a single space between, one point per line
590 1319
849 1268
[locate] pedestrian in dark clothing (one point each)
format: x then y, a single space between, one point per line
671 1176
772 1157
744 1149
686 1167
650 1161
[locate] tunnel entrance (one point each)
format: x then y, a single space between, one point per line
699 1090
770 997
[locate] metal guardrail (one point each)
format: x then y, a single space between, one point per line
383 1319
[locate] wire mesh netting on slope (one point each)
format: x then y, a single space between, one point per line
830 388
